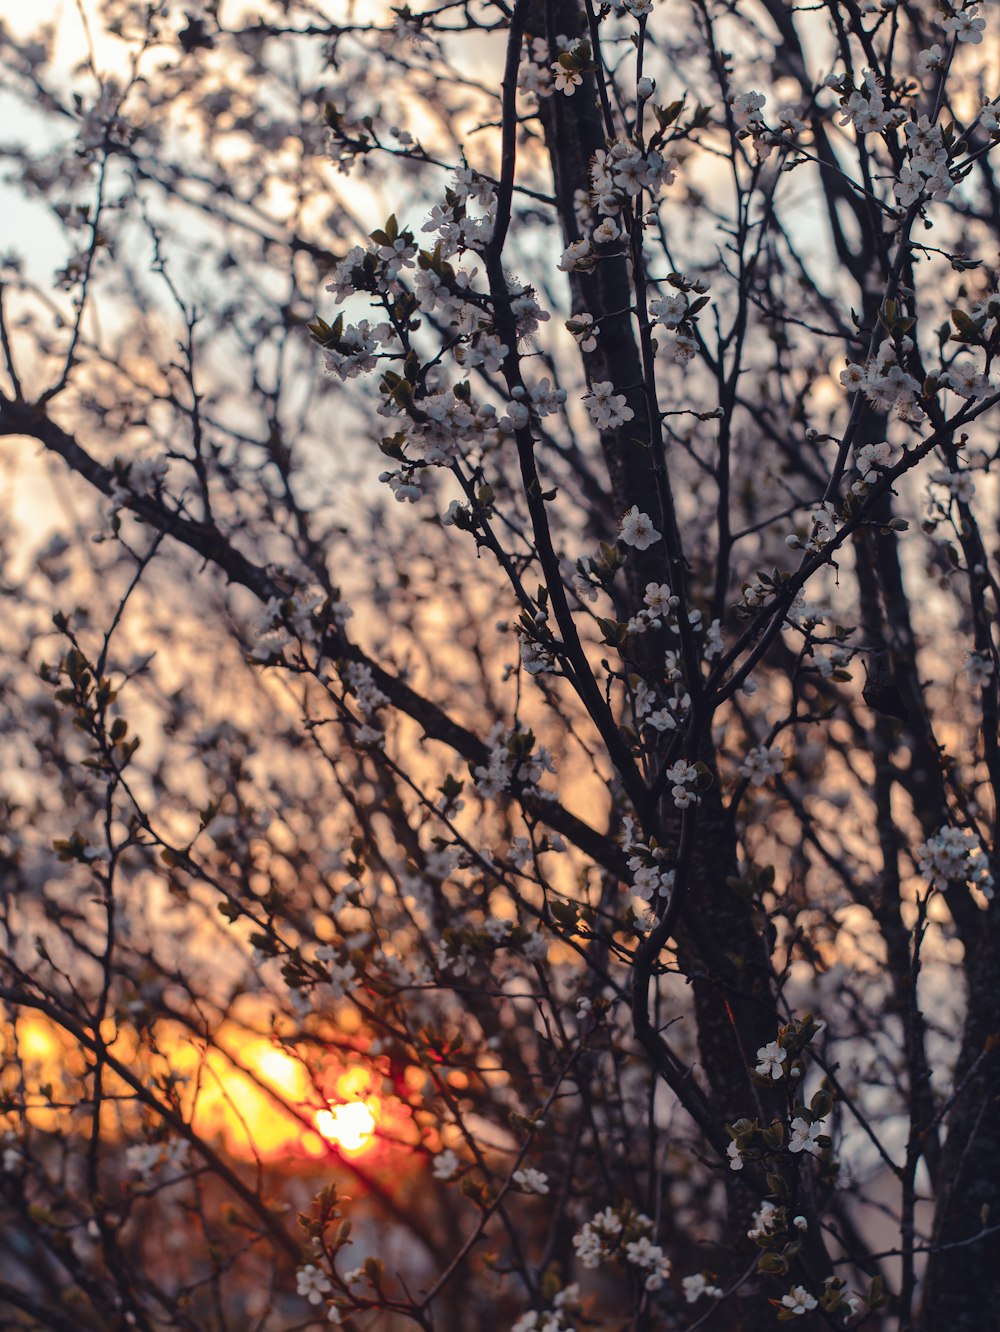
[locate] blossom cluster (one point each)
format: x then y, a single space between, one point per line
513 756
761 763
554 1319
625 1235
927 168
954 856
884 382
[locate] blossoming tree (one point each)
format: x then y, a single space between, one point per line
528 480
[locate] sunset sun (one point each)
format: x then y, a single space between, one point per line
351 1127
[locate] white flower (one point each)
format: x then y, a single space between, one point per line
589 1241
908 187
979 669
636 529
644 89
445 1164
531 1181
870 459
668 310
954 856
650 881
683 797
589 1249
867 109
607 1222
568 1296
760 764
398 255
987 307
967 26
567 80
13 1159
771 1057
312 1283
578 254
696 1286
644 1254
967 380
747 106
789 119
959 484
931 58
684 348
804 1136
607 408
853 377
735 1158
662 720
989 120
527 1322
584 330
799 1300
766 1221
659 598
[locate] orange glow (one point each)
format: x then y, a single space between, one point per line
38 1039
350 1126
350 1122
256 1098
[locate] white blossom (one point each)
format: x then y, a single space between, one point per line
607 408
566 80
747 107
760 764
696 1286
445 1165
312 1283
979 669
966 25
531 1181
771 1057
803 1136
799 1300
955 856
767 1220
636 529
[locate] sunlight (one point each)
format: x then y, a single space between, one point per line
351 1127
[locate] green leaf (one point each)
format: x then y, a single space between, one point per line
821 1104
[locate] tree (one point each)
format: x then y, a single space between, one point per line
597 810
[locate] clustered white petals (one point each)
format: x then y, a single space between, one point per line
761 763
885 383
598 1235
698 1285
607 408
531 1181
445 1165
954 856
